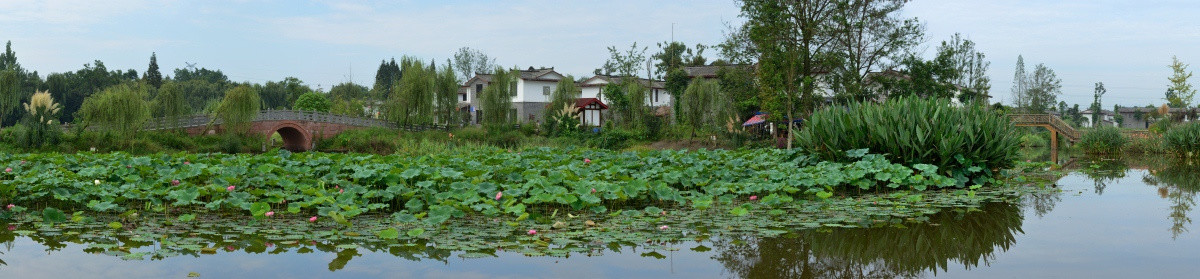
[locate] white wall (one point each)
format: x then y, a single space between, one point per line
592 92
531 91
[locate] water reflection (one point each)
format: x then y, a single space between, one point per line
949 238
1176 179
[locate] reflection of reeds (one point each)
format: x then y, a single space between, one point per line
965 238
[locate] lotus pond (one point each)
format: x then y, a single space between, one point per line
114 215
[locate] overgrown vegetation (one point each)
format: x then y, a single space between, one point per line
1184 139
964 142
1103 140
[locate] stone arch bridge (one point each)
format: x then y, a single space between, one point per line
297 128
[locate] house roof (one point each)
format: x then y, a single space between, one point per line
1147 110
541 74
584 102
654 84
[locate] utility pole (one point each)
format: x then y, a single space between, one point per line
672 32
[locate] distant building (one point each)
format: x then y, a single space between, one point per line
1139 117
658 95
530 97
1106 119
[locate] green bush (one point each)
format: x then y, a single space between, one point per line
1148 145
1033 140
1103 140
967 143
1184 139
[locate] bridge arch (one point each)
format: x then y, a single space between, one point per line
295 137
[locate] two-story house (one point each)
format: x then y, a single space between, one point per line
530 94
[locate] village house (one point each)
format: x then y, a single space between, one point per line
531 94
657 97
1107 119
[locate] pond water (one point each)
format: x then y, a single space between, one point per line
1115 218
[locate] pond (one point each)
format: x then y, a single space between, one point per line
1114 218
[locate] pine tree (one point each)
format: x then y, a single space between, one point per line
153 76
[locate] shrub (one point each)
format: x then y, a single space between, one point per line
1103 140
1033 140
1147 145
121 110
1184 139
312 101
964 142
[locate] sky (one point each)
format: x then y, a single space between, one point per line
1127 45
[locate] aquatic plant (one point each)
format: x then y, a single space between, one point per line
966 142
1103 140
1184 139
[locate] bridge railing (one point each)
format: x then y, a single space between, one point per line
267 115
1045 119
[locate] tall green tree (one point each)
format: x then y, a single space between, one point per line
446 94
868 34
496 100
348 91
71 88
467 62
626 64
1096 107
793 44
386 78
170 103
1179 92
152 75
923 78
1044 88
1020 87
120 110
971 67
10 93
238 109
697 101
412 101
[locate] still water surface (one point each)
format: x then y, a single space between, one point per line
1122 218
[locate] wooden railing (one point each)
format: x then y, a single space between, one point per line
1045 120
268 115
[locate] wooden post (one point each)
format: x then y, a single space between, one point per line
1053 141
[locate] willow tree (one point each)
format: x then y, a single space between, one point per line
697 103
121 110
496 100
170 104
411 101
636 95
446 88
10 88
238 109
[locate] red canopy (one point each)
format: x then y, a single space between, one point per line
757 119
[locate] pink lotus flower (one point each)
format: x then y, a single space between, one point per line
664 227
269 213
593 190
174 182
340 190
753 198
586 160
22 162
499 194
187 163
9 207
230 188
269 245
12 227
532 232
312 219
663 213
8 170
229 248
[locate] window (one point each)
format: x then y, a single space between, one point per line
512 90
478 89
464 97
512 115
546 90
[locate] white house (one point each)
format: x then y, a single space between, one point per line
1106 119
531 94
594 87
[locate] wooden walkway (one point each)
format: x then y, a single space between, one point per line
1049 121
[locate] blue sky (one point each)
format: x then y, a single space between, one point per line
1125 44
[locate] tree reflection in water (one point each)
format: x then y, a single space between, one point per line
907 251
1177 182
